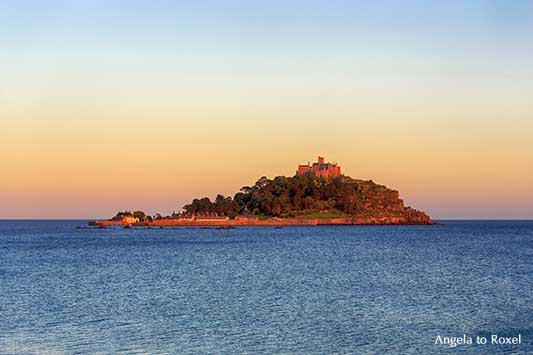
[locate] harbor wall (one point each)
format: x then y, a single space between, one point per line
265 222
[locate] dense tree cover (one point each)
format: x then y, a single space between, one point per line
285 197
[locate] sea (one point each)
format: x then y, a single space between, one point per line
69 289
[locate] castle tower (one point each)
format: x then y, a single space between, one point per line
320 168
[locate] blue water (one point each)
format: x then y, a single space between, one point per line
296 290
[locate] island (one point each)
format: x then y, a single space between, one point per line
318 194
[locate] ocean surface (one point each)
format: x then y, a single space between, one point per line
262 290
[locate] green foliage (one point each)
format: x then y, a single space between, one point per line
203 205
121 214
139 214
288 197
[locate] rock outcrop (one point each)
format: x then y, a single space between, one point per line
373 201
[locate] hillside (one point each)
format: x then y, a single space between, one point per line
308 196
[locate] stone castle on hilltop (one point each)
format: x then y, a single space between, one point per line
320 169
301 200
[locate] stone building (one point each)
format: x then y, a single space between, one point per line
320 169
130 220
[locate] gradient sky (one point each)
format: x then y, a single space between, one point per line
112 105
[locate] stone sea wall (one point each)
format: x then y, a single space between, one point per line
387 220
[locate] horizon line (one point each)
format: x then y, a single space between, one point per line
435 219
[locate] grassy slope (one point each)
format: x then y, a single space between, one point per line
324 215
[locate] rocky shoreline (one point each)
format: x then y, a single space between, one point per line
421 220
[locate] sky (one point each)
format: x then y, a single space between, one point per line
114 105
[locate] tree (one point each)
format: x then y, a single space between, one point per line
139 214
288 196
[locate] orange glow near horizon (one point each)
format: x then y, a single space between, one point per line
56 168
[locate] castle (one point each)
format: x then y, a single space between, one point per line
320 169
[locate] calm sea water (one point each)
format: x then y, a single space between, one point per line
296 290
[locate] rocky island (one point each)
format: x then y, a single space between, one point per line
318 194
